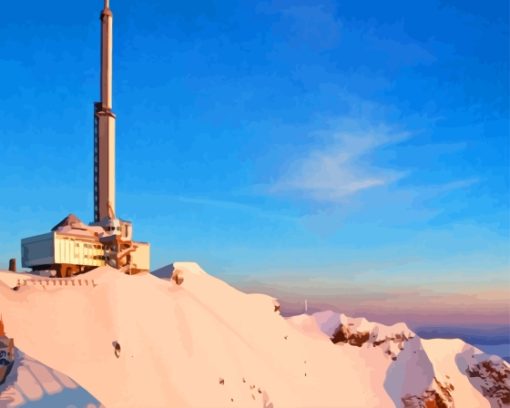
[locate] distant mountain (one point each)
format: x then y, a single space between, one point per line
474 335
191 340
491 340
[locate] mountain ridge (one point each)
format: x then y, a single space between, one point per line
193 331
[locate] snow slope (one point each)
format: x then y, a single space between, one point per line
33 384
194 341
444 372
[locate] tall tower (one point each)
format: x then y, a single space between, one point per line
72 247
104 127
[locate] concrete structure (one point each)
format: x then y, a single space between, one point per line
73 247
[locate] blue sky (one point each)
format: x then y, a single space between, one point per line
364 143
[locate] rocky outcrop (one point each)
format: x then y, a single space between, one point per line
344 335
419 375
437 396
359 331
492 378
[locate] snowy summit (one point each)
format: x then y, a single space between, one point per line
191 340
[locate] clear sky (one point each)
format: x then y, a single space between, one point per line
309 147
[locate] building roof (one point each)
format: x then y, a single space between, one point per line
73 226
71 220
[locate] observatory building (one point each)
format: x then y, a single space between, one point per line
72 246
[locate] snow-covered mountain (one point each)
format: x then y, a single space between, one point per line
450 369
195 341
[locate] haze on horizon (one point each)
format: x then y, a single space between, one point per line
354 155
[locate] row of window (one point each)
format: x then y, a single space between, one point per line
97 257
96 246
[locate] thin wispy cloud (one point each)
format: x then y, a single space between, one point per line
235 206
453 185
343 166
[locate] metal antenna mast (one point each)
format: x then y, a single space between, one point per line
104 127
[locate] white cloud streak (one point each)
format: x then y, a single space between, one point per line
235 206
340 168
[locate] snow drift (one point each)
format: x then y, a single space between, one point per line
34 384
